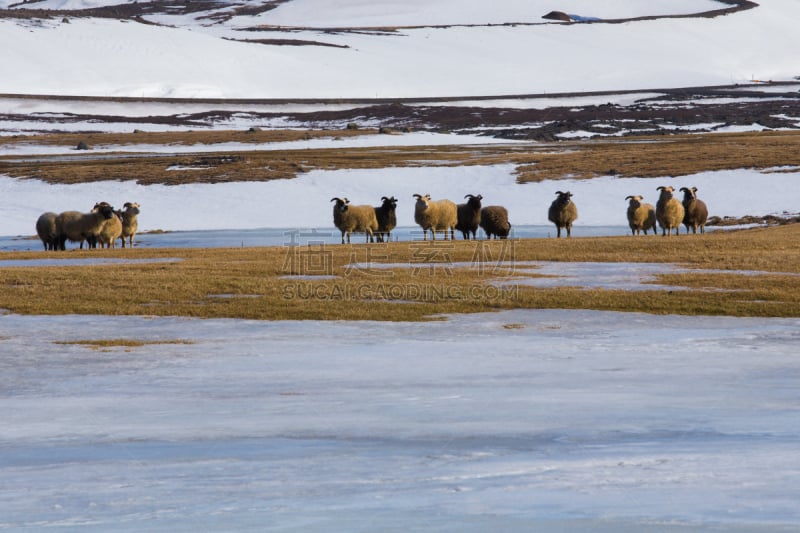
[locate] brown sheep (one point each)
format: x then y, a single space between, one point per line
695 211
563 212
494 221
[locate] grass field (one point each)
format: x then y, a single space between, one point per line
427 279
412 280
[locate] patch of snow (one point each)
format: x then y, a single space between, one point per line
304 202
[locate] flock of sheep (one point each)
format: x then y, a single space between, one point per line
669 212
440 215
103 225
445 215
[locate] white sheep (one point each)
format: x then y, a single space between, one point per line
669 211
78 227
46 230
641 216
359 218
110 232
439 215
130 223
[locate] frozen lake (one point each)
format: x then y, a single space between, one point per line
285 237
511 421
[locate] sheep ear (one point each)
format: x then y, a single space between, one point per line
694 189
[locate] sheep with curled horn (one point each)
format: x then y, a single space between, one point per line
469 216
387 218
130 222
563 212
641 216
695 211
439 215
494 221
354 218
46 230
669 211
78 227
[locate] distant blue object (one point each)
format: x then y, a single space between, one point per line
578 18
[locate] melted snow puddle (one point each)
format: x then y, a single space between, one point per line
587 275
84 261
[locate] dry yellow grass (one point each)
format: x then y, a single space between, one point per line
642 157
297 283
103 344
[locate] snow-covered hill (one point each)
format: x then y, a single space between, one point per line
309 49
449 50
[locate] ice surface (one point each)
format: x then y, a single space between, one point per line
514 421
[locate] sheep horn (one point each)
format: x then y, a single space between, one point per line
417 196
684 189
384 199
334 199
629 197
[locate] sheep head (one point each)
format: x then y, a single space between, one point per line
390 203
474 200
689 194
635 200
563 197
104 208
422 200
131 207
341 204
